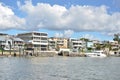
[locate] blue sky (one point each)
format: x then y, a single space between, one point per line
94 19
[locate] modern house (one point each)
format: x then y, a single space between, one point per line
17 43
36 40
114 45
52 44
56 43
76 44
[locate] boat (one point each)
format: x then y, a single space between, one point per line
96 54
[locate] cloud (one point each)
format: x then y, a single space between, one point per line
76 18
8 20
89 36
66 34
58 35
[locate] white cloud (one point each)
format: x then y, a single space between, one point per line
65 34
57 17
8 20
76 18
68 33
58 35
89 36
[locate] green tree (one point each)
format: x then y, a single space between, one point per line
84 39
97 46
116 38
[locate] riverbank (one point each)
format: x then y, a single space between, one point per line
43 54
40 54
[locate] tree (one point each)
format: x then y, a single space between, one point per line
97 46
107 45
116 38
84 39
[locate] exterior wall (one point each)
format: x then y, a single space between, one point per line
76 44
62 43
57 43
51 44
90 44
37 40
5 41
8 42
114 45
17 43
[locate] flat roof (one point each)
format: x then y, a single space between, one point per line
32 32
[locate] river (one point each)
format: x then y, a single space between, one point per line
59 68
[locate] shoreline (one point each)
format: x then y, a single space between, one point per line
40 54
44 54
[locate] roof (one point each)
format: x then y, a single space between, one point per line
32 32
17 39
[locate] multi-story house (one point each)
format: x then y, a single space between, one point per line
17 43
8 42
114 45
35 40
57 43
52 44
76 44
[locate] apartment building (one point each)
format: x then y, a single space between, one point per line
35 40
57 43
76 44
52 44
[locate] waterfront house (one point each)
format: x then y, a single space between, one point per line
76 44
5 41
56 43
17 43
36 40
114 45
8 42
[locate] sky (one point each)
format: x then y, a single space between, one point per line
92 19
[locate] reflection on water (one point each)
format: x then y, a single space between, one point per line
59 68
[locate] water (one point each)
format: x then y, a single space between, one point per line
60 68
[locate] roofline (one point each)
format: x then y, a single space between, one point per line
32 32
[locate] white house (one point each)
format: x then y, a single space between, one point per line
76 44
8 42
35 40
